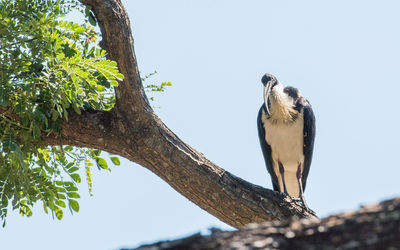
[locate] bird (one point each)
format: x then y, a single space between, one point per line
286 129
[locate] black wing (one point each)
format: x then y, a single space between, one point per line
309 136
266 149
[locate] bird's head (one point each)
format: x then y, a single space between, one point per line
269 82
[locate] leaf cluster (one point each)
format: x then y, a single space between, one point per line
49 69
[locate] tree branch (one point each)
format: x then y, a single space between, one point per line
371 227
116 33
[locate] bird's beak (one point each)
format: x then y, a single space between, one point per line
267 91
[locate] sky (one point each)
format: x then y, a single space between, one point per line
343 56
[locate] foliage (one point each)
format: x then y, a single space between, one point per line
151 88
49 69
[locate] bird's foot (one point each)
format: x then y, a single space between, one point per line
303 203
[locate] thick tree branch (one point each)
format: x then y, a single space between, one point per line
116 33
133 131
371 227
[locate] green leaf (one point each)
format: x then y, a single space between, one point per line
76 178
50 204
112 63
80 30
76 109
114 83
60 203
74 205
119 76
72 188
73 169
97 152
61 196
101 163
69 183
65 114
70 165
59 213
92 20
54 114
25 210
115 160
73 195
45 208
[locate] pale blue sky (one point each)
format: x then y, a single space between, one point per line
344 56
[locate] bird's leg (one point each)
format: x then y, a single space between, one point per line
299 174
282 171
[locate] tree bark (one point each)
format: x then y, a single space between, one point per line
132 130
371 227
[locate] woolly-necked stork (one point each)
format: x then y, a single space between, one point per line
286 129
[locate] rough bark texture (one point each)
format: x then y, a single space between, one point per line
133 131
371 227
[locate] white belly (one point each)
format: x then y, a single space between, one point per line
286 141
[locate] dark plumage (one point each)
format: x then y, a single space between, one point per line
286 129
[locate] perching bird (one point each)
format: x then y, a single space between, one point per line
286 128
